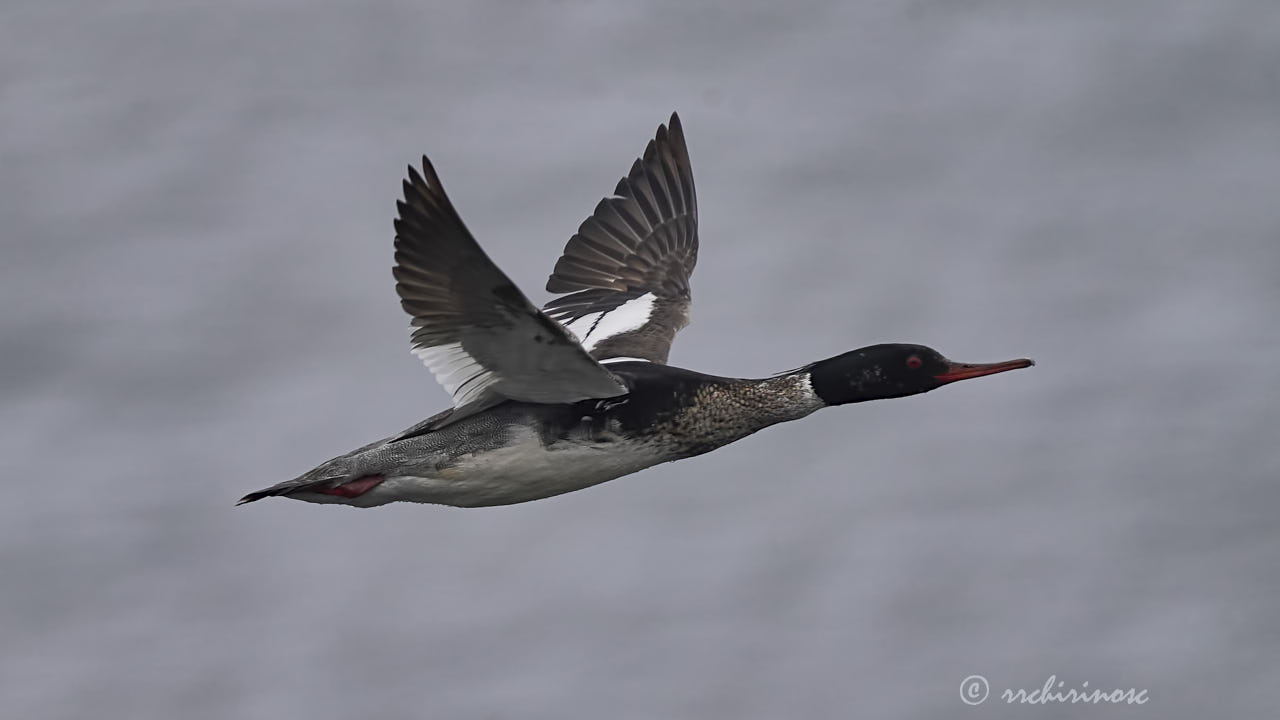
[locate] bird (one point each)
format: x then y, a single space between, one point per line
554 400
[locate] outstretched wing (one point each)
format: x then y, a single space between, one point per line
627 269
473 328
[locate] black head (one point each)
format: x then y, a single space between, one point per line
893 370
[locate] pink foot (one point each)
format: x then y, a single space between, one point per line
354 488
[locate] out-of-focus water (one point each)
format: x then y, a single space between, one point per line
196 302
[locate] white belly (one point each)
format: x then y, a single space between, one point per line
523 471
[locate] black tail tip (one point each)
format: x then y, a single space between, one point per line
253 496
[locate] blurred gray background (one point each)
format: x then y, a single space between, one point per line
197 302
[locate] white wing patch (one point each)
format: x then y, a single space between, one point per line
582 327
593 329
458 372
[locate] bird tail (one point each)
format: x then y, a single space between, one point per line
328 479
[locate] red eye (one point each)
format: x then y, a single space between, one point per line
914 362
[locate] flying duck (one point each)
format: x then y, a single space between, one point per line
550 401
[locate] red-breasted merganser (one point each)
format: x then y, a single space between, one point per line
554 400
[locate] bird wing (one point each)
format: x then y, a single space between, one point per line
626 270
472 327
